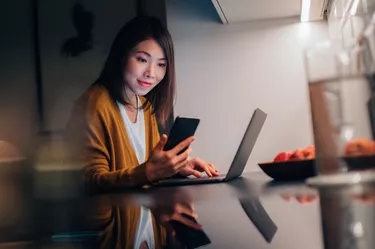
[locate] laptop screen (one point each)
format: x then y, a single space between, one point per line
247 144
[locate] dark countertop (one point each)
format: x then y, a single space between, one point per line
249 212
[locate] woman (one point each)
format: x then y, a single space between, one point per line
113 125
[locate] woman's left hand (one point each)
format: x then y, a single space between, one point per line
196 166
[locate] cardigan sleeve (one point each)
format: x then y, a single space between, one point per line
89 139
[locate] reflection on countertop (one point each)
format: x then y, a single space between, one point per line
249 212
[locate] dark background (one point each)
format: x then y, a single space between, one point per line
31 94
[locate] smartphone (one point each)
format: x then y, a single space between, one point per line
182 128
187 236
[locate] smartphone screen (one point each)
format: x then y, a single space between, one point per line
182 128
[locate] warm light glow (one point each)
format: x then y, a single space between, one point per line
305 10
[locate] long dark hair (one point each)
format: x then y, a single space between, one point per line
139 29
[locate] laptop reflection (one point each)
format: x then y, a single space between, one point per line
254 209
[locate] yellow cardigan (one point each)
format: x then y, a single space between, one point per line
97 140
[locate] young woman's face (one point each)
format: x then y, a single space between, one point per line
145 68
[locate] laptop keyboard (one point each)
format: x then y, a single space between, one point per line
203 178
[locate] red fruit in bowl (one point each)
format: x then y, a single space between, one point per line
283 156
297 155
359 146
309 152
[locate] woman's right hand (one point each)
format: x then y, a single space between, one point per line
163 164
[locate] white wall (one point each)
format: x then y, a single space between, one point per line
224 72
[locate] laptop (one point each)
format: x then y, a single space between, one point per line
239 162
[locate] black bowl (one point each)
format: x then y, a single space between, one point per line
289 170
297 170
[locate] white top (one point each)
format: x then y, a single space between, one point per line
136 131
136 134
145 231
